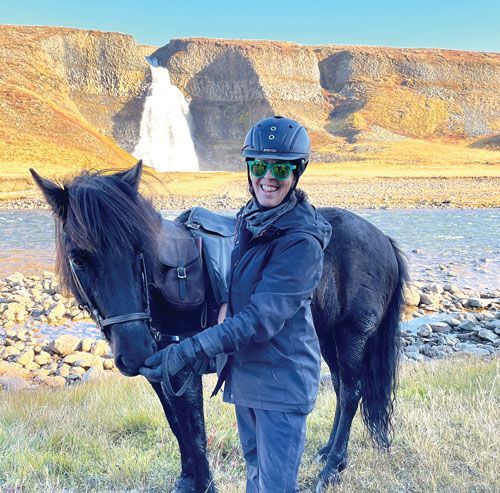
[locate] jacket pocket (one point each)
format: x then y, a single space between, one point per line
270 353
258 382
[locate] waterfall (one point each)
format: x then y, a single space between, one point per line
165 141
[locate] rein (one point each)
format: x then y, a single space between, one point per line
103 322
198 368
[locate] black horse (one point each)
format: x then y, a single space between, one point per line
106 242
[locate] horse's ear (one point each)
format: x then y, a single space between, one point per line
132 176
56 196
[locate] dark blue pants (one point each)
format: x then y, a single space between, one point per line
272 444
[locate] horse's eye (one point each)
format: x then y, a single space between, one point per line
80 258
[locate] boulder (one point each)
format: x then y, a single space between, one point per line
63 370
441 327
26 357
56 312
66 344
411 295
86 344
477 303
10 369
100 348
487 335
85 360
424 330
468 325
42 358
429 298
10 351
54 381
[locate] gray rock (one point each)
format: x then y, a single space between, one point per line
468 325
487 335
436 288
476 351
13 384
441 327
478 303
424 330
411 349
429 298
493 325
415 356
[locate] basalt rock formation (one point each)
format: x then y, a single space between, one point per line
78 95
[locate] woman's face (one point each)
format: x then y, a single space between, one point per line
269 191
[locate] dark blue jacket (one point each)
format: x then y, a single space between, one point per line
269 331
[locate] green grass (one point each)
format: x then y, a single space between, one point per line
111 435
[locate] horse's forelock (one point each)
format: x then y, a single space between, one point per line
104 213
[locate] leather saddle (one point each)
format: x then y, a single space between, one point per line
197 239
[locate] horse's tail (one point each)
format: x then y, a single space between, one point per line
380 370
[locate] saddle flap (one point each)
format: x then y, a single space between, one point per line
211 221
217 232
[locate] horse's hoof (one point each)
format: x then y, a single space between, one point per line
322 455
184 484
327 478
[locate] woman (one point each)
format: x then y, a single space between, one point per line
273 365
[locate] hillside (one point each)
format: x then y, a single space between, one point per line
73 98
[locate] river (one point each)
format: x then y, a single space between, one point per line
460 246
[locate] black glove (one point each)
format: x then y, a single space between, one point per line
172 359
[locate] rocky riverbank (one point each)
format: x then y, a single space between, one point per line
441 320
326 189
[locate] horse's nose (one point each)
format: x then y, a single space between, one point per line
130 354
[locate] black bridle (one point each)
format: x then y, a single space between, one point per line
103 322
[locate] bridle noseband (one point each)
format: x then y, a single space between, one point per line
103 322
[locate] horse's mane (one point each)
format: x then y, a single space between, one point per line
103 212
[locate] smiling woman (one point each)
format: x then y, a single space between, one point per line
271 181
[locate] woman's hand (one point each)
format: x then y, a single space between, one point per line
166 362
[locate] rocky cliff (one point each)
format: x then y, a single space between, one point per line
69 95
67 90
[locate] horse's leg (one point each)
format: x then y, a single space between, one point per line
185 417
350 350
185 481
329 352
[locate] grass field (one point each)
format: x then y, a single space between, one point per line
110 435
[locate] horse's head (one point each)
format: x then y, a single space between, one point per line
103 225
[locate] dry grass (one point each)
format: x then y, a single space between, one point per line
111 435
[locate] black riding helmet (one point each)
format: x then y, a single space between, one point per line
278 137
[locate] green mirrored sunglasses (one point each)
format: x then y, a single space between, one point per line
280 170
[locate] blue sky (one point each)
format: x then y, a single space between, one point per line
457 24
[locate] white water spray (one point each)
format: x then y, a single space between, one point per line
165 141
